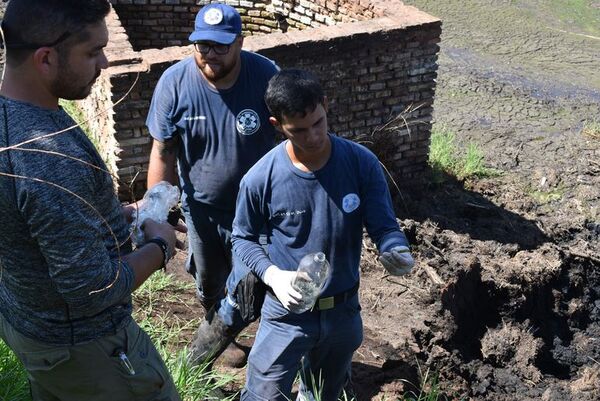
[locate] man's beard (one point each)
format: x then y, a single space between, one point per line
220 73
67 85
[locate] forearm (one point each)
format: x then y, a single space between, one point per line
380 219
144 262
252 254
163 160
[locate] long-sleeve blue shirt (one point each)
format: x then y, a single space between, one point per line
61 231
305 212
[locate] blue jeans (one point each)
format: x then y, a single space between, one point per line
317 344
216 269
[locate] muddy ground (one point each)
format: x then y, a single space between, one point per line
504 302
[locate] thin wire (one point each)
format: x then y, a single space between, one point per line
5 51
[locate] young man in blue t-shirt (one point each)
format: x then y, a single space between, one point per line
312 193
208 115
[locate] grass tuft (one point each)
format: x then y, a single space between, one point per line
429 389
591 129
445 158
13 378
548 196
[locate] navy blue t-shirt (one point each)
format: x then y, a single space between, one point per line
223 132
305 212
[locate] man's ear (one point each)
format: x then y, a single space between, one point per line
44 60
275 123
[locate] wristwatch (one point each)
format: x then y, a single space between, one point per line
164 247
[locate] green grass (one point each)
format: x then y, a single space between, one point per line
428 389
445 158
13 379
591 129
166 330
193 382
574 13
544 197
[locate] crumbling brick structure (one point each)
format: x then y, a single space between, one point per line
376 59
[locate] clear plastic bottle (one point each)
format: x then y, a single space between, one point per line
311 275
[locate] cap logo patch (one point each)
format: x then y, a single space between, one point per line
213 16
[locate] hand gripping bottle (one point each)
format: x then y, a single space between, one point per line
311 275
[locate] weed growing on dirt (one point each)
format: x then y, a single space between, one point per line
13 379
591 129
445 158
317 391
429 389
442 150
159 286
472 163
194 382
544 197
166 330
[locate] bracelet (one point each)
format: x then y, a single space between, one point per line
164 247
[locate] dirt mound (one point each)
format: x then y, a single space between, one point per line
491 319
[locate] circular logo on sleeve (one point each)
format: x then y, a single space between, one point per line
350 203
247 122
213 16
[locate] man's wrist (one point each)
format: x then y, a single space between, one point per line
269 273
164 247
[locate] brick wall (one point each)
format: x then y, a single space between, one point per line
157 23
379 76
163 23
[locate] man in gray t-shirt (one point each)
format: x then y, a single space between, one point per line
208 115
67 269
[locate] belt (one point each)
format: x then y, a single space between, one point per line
327 303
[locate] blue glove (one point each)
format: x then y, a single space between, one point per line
398 261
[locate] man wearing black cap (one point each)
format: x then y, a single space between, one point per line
208 116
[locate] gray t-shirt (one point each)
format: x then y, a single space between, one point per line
61 278
223 132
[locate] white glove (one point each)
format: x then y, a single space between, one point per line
281 283
398 261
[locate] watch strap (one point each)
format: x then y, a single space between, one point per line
164 247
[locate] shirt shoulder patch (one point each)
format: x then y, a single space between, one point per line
350 203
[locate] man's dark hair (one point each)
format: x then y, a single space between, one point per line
31 24
293 92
